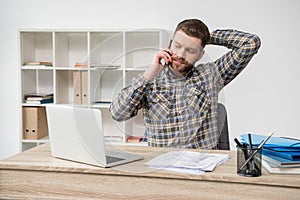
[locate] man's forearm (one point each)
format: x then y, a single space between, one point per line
128 101
243 47
247 42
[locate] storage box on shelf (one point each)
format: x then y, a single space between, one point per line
86 68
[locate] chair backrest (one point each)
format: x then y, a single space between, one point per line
223 143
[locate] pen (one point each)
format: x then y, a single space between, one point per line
237 142
251 166
258 148
250 140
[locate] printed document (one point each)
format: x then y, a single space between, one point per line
188 161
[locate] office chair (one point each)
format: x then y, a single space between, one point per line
223 142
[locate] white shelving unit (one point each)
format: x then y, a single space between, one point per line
113 58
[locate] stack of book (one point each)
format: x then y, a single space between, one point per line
37 63
280 155
38 98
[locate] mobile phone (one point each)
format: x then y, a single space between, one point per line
163 61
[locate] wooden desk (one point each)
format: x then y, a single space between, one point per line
35 174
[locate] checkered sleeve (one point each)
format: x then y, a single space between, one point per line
130 99
243 47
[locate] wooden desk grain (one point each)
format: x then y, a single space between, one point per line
35 174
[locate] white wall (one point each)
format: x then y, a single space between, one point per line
264 97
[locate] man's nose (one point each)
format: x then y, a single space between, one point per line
181 53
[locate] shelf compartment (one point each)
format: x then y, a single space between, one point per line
105 84
70 48
28 144
111 128
36 47
140 47
72 87
36 81
106 49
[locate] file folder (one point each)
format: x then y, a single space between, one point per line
273 142
80 83
34 123
77 87
84 87
288 148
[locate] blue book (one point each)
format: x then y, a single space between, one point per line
278 161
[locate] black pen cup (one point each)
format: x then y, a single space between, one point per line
248 164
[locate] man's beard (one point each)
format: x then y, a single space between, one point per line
183 69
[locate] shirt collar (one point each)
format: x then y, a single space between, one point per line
173 78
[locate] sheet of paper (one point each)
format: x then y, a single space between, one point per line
188 160
182 170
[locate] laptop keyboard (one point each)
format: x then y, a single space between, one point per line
111 159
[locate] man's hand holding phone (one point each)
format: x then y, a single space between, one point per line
160 61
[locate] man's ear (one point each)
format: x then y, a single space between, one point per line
201 55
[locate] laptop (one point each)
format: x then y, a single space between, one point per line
76 134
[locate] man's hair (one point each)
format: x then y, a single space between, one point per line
195 28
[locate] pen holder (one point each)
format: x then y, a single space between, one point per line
253 166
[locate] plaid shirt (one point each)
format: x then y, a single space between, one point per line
182 112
